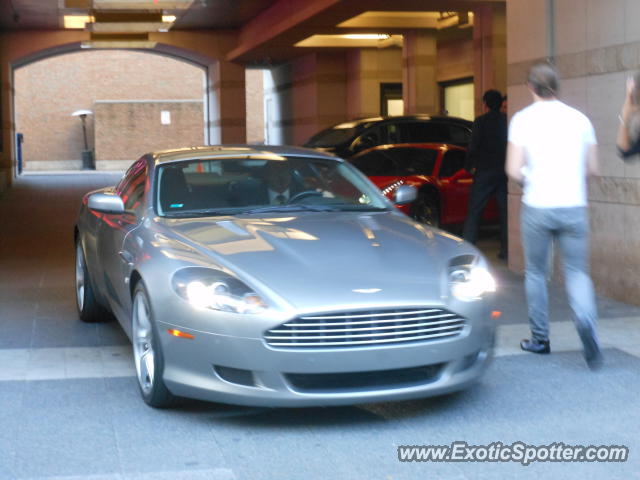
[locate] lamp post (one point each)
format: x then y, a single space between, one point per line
87 155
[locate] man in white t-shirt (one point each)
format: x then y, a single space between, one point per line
552 149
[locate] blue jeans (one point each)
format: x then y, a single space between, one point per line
570 228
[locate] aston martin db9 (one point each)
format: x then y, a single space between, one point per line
279 276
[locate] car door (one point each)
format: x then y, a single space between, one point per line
114 229
455 186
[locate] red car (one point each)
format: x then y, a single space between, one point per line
435 169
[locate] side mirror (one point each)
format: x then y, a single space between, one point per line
405 194
461 174
105 203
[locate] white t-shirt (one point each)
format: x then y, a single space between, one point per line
555 139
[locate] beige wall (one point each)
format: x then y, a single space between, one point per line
367 68
597 45
318 90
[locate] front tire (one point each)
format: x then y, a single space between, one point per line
147 352
426 210
89 310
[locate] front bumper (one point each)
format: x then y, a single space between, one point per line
247 371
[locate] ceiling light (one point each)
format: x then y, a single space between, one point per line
76 21
128 27
366 36
131 40
372 40
392 19
142 4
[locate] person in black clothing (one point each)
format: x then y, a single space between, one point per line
486 161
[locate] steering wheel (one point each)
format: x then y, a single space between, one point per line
307 193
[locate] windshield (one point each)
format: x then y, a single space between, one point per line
213 187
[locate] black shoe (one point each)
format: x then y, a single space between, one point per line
535 346
592 353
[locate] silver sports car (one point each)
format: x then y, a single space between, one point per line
281 277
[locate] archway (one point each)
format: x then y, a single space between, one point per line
225 113
134 101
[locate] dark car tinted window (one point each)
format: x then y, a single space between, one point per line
374 164
331 137
413 161
459 135
426 132
421 132
372 137
452 162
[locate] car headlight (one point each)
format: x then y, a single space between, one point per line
468 280
217 290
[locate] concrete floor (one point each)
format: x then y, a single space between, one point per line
69 406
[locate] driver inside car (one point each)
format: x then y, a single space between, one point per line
277 179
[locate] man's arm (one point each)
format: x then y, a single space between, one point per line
593 166
470 161
515 162
628 108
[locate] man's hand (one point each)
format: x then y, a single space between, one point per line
515 162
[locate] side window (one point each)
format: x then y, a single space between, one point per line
390 134
452 162
132 187
370 138
459 135
414 161
375 164
421 132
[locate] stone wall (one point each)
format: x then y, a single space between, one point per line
596 45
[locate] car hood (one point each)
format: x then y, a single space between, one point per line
348 258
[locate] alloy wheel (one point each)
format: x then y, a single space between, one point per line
80 277
143 352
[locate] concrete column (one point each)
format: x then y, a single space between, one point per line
227 104
6 124
305 96
319 93
419 84
489 51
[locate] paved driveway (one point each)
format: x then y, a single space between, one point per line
69 406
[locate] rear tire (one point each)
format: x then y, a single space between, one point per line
426 210
147 352
89 310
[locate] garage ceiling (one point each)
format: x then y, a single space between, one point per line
267 29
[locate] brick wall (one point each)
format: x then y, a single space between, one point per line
125 130
48 91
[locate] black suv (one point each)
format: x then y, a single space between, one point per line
348 138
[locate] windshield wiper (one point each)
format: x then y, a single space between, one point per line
294 207
204 212
362 208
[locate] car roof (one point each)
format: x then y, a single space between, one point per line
238 151
429 145
426 145
402 118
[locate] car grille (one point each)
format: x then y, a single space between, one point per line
349 329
